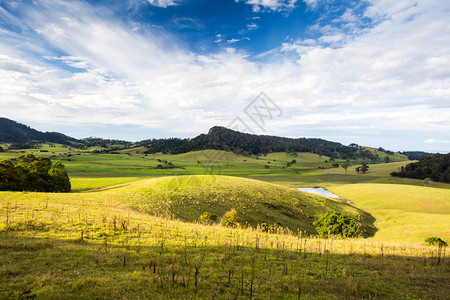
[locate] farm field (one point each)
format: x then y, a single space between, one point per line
100 244
131 230
403 213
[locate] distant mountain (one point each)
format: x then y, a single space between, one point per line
221 138
14 132
435 166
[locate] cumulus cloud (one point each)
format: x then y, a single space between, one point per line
369 86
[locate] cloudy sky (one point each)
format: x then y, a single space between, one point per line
373 72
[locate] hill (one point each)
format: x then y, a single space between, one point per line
217 138
221 138
435 166
14 132
257 202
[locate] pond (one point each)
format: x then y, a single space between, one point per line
319 191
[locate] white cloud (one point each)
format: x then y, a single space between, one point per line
252 26
163 3
435 141
232 41
271 5
380 84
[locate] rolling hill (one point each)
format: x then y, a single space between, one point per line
217 138
187 197
14 132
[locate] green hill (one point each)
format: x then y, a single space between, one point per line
187 197
14 132
221 138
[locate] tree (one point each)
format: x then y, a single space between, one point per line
363 168
436 241
207 217
345 166
231 219
386 159
33 173
11 177
59 178
1 149
336 224
426 182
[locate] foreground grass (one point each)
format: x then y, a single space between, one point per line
61 246
403 212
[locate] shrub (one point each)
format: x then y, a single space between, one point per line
266 227
336 224
436 241
231 219
426 182
207 217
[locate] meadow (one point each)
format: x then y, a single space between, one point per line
130 230
90 246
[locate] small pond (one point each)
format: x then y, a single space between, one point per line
319 191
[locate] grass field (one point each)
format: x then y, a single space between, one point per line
129 230
90 245
403 213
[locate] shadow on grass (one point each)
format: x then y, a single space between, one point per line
176 269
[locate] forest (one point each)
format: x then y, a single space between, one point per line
435 166
221 138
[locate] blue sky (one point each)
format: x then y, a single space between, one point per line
373 72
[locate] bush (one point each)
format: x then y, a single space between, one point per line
207 217
436 241
266 227
231 219
336 224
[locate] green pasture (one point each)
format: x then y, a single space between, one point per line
103 245
402 212
130 230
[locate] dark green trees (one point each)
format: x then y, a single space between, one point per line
33 173
363 168
336 224
435 166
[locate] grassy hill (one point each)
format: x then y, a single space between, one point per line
187 197
14 132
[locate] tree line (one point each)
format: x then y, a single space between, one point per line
221 138
34 174
435 166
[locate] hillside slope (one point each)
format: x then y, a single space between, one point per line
187 197
14 132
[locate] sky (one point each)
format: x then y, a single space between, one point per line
372 72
